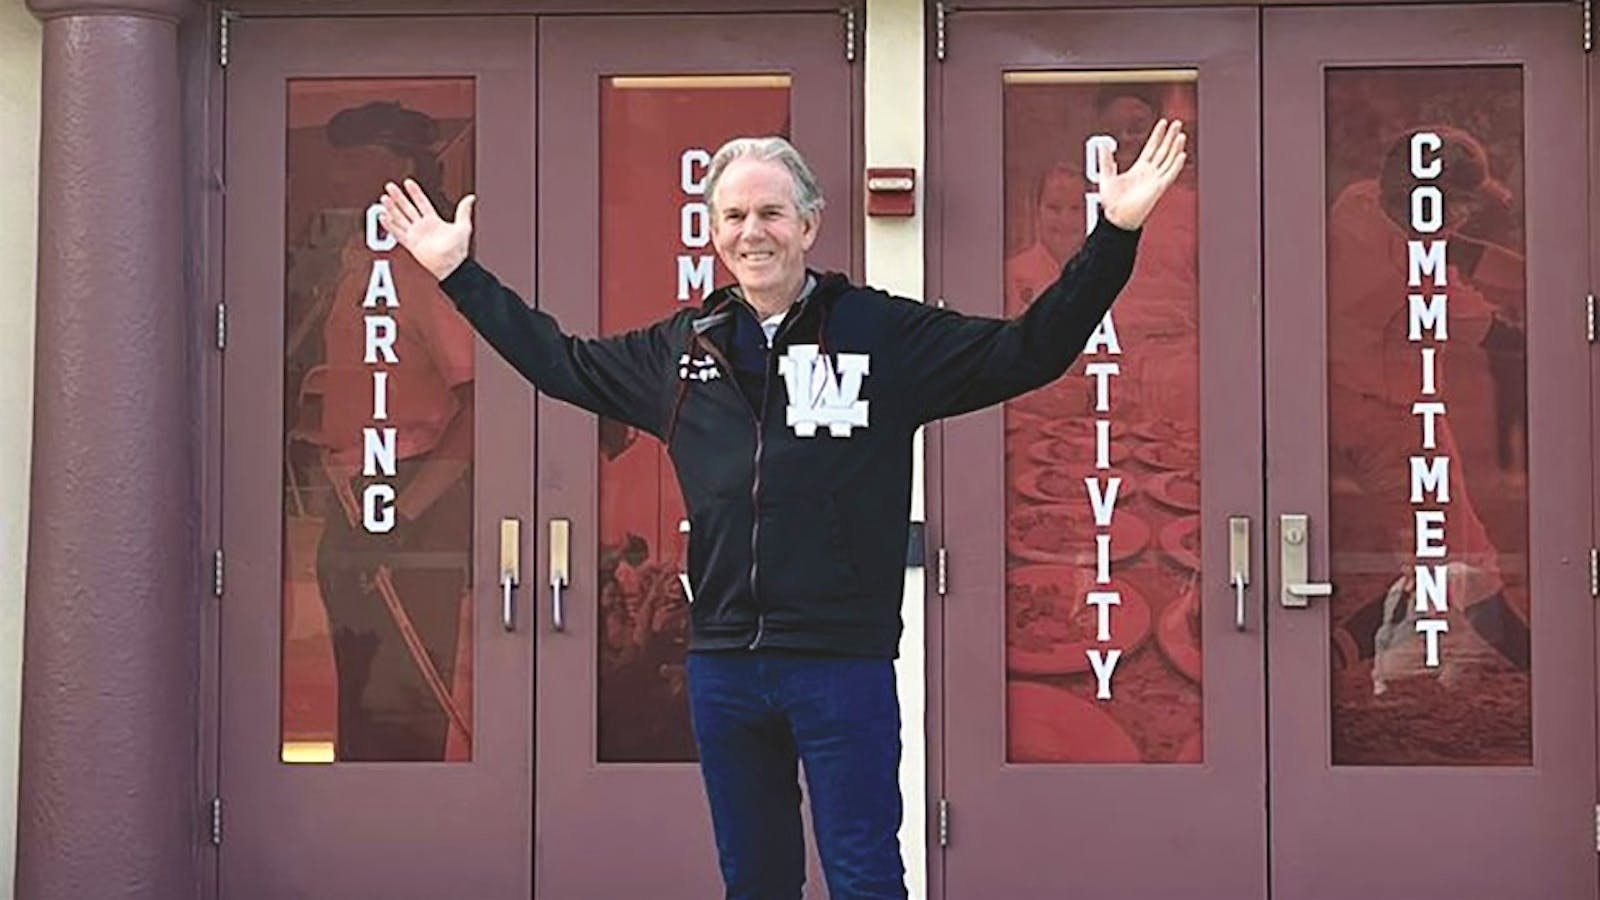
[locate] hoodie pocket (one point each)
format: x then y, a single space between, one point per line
804 554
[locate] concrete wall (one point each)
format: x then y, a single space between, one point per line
19 172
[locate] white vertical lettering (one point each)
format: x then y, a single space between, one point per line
1103 500
380 395
380 286
1091 155
1104 665
377 508
1104 600
692 167
1430 533
694 272
1104 338
1430 474
1427 209
694 225
1429 410
1102 390
1432 588
1427 262
381 337
1421 143
378 451
1429 315
1433 628
377 238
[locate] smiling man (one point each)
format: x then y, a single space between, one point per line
788 402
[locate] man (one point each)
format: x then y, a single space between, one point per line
788 403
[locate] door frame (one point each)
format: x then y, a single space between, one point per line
567 471
1298 480
1226 54
268 53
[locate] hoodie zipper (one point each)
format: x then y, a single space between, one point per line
759 418
755 485
755 482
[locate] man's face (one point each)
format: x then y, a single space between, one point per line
758 231
1129 120
1060 214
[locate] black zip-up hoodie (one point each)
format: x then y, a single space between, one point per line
798 482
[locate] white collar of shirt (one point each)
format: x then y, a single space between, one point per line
771 323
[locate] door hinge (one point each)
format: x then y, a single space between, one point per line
216 573
944 822
939 14
849 12
216 821
222 326
1588 308
944 566
224 21
1594 571
1588 25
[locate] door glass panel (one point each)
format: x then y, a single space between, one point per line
378 406
1103 466
657 135
1427 406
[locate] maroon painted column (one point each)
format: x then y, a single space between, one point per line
109 801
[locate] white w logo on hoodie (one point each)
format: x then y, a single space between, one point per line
820 396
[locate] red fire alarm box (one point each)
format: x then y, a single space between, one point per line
891 192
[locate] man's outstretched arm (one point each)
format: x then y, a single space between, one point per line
969 362
618 376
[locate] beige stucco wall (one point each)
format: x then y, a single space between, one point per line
19 154
895 137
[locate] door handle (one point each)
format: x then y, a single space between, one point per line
510 566
1239 565
1295 541
683 577
560 547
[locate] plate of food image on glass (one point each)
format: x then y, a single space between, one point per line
1180 540
1083 429
1174 490
1178 632
1064 484
1051 626
1064 533
1168 456
1076 451
1050 724
1165 430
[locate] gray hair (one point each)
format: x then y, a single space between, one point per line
807 193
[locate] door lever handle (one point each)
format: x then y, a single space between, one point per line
1239 565
560 549
1294 535
510 567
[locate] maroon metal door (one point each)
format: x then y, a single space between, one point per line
630 110
1103 728
1433 720
375 703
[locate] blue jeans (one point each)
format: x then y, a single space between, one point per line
756 717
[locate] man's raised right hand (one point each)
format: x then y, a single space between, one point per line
439 246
